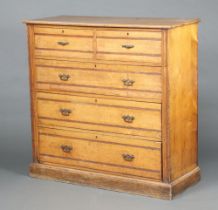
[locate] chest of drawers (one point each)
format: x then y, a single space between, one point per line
114 102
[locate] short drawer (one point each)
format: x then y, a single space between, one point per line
80 150
127 117
63 46
79 78
129 46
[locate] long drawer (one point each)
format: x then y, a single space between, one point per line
127 117
90 78
81 149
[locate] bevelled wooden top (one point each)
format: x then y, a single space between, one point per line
113 21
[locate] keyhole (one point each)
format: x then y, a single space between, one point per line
96 137
127 34
62 31
96 100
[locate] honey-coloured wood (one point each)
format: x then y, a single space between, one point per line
117 183
147 50
182 99
114 102
84 112
93 80
129 34
32 73
63 31
59 148
63 46
105 137
63 43
118 22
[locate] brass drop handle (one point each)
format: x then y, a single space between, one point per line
63 43
128 118
128 82
128 157
128 46
65 112
64 77
66 148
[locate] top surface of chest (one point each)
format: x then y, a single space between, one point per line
120 22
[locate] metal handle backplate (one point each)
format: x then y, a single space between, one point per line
63 43
128 118
64 77
66 148
65 112
128 46
128 82
128 157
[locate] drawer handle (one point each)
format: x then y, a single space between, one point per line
128 46
64 77
128 118
128 157
63 43
128 82
65 112
66 148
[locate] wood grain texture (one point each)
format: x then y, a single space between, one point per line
100 81
122 64
32 74
127 22
150 47
49 45
85 125
117 183
100 136
182 99
146 96
152 79
72 43
164 114
101 115
100 155
140 34
148 59
142 50
147 48
100 65
63 31
63 54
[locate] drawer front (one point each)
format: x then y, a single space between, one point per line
134 118
77 150
107 82
137 47
63 46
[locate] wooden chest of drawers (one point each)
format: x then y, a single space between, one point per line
114 102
